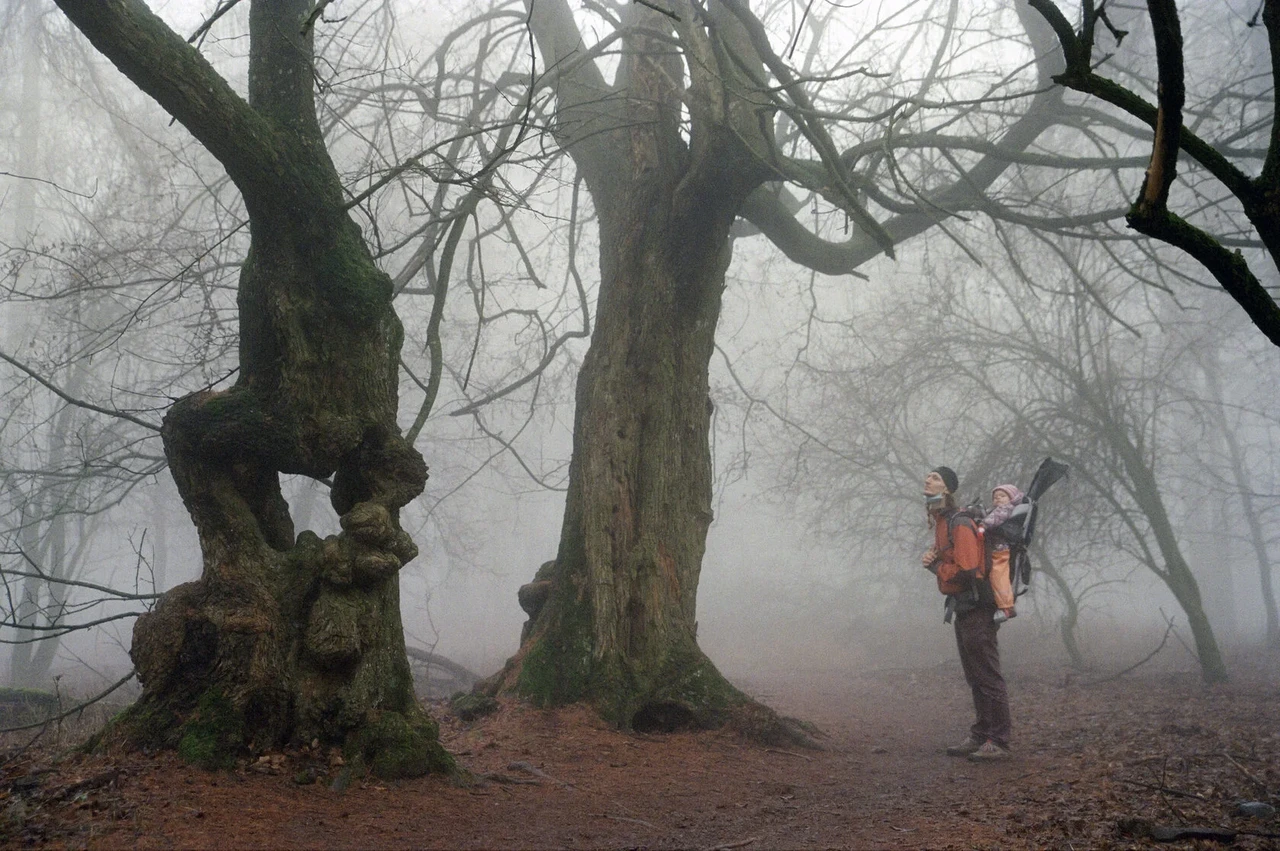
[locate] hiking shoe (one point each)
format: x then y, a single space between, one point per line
989 752
968 746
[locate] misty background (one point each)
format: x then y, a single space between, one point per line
1040 327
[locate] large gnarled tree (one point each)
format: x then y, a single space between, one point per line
281 639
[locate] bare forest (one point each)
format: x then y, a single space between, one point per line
502 423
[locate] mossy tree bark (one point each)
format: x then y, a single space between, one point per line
281 639
617 627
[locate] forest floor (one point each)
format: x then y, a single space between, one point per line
1096 765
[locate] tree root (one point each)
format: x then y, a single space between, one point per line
762 725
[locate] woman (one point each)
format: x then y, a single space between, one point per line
957 560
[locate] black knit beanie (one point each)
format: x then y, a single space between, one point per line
949 478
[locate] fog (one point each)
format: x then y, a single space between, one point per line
122 244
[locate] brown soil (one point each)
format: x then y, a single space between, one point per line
1096 765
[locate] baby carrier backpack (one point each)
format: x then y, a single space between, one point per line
1020 528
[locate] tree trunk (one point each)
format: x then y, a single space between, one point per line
22 666
618 626
1265 579
281 640
24 671
1211 364
30 125
1177 573
1070 616
1213 668
295 640
44 535
670 151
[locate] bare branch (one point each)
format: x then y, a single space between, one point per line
71 400
56 186
79 707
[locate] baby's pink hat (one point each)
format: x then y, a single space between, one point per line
1014 492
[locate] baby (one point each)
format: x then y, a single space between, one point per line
1004 499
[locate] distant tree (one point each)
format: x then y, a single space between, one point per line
70 452
1240 482
47 535
1104 400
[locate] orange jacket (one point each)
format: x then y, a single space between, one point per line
959 554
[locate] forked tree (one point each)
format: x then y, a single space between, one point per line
283 638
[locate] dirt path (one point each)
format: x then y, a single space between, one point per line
1087 757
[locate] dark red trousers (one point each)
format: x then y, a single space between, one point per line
980 658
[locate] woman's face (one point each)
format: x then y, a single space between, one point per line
999 497
933 485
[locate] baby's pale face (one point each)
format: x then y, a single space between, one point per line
1000 498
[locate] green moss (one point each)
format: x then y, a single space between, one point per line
539 676
347 273
333 635
383 678
685 678
688 677
470 706
144 725
397 677
546 572
29 697
214 734
391 745
615 694
559 668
